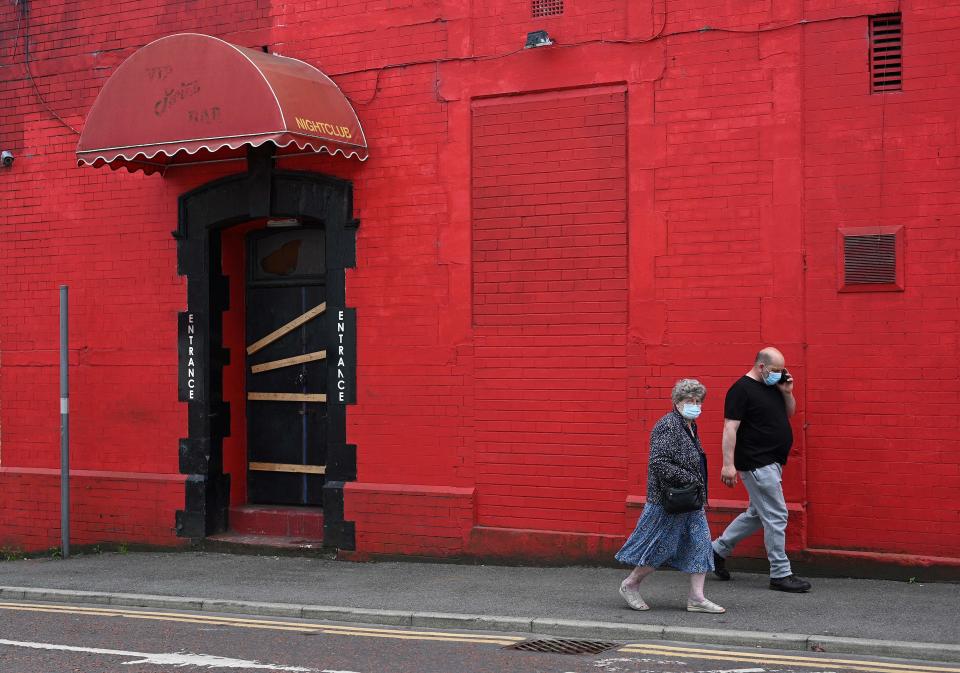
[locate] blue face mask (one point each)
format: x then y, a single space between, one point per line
690 411
772 378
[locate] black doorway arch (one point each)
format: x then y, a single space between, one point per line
203 214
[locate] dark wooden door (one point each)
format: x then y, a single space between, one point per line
286 366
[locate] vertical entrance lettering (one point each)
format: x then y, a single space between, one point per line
342 372
191 364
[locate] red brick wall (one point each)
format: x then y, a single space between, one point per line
410 520
702 226
884 408
501 26
119 507
107 236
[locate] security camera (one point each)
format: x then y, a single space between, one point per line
6 158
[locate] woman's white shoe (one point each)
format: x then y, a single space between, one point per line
633 598
706 605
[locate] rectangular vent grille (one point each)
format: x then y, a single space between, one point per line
870 259
540 8
886 63
564 646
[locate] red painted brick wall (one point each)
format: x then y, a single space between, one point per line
117 507
107 236
549 239
410 520
885 406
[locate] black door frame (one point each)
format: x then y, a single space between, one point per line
202 215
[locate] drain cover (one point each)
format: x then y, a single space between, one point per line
562 646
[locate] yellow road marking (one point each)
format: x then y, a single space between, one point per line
267 624
905 667
809 663
813 662
397 635
442 636
121 612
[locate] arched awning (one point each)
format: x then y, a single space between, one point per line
192 98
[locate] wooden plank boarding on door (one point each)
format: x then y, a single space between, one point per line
287 397
289 327
286 362
287 467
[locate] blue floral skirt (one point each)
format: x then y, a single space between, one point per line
678 540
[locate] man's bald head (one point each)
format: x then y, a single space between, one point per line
770 357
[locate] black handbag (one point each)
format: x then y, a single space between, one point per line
680 499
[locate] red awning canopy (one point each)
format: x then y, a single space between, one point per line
191 98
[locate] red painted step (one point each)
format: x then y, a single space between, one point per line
300 523
269 544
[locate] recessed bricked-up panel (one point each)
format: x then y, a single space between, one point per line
550 309
549 202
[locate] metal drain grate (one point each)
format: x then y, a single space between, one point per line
562 646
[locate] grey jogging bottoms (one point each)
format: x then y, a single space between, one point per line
767 509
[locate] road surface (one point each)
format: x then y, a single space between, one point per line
44 637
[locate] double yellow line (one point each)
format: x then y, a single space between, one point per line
782 660
266 624
444 636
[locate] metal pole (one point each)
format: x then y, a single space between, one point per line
64 429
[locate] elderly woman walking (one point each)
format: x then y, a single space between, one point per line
673 527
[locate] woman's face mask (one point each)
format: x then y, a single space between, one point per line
690 410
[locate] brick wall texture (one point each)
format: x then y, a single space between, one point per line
549 239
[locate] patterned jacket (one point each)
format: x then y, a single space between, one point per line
674 457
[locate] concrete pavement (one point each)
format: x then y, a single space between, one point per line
914 620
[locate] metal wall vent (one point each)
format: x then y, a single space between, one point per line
562 646
886 63
540 8
870 259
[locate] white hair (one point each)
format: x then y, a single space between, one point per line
686 388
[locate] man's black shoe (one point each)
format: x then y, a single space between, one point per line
720 567
790 583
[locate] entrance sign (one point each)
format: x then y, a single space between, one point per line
190 376
342 356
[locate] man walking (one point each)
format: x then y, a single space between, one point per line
756 442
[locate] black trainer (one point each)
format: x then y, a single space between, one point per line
790 583
720 567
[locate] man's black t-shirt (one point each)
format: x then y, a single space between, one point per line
764 436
